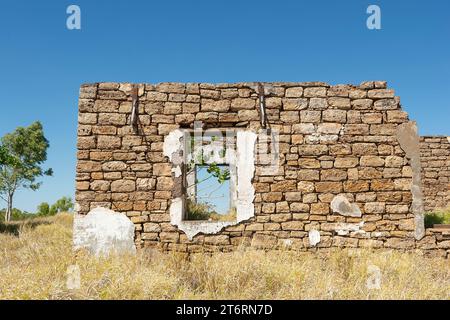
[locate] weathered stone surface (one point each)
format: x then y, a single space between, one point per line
436 187
371 161
243 103
114 166
295 104
381 93
303 128
333 175
342 103
375 207
318 103
339 116
294 92
329 128
334 141
347 162
315 92
310 116
123 186
362 104
213 105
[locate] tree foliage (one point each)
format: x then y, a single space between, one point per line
22 154
3 155
17 214
65 204
43 209
218 173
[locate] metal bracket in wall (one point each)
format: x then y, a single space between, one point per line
262 105
134 108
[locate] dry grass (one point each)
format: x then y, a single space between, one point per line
34 262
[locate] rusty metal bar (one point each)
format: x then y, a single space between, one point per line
262 105
135 108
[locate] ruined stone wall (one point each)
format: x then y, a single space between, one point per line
344 179
435 160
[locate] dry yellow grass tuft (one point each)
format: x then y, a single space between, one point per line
34 260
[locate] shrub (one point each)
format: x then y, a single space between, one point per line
205 211
438 217
198 211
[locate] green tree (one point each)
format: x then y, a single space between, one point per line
65 204
24 150
43 209
17 214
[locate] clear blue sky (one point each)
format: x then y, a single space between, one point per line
42 63
212 192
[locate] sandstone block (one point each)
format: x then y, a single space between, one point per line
313 92
294 92
371 161
295 104
318 103
243 103
337 102
310 116
339 116
381 93
123 186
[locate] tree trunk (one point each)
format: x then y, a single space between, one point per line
9 208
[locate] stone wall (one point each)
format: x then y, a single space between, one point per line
435 159
345 179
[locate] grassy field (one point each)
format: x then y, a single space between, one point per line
35 257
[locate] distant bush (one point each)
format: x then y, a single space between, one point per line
17 215
205 211
43 209
65 204
438 217
198 211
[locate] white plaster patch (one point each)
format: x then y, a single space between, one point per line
172 144
245 171
341 205
103 231
343 229
448 139
177 171
287 242
380 234
314 237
